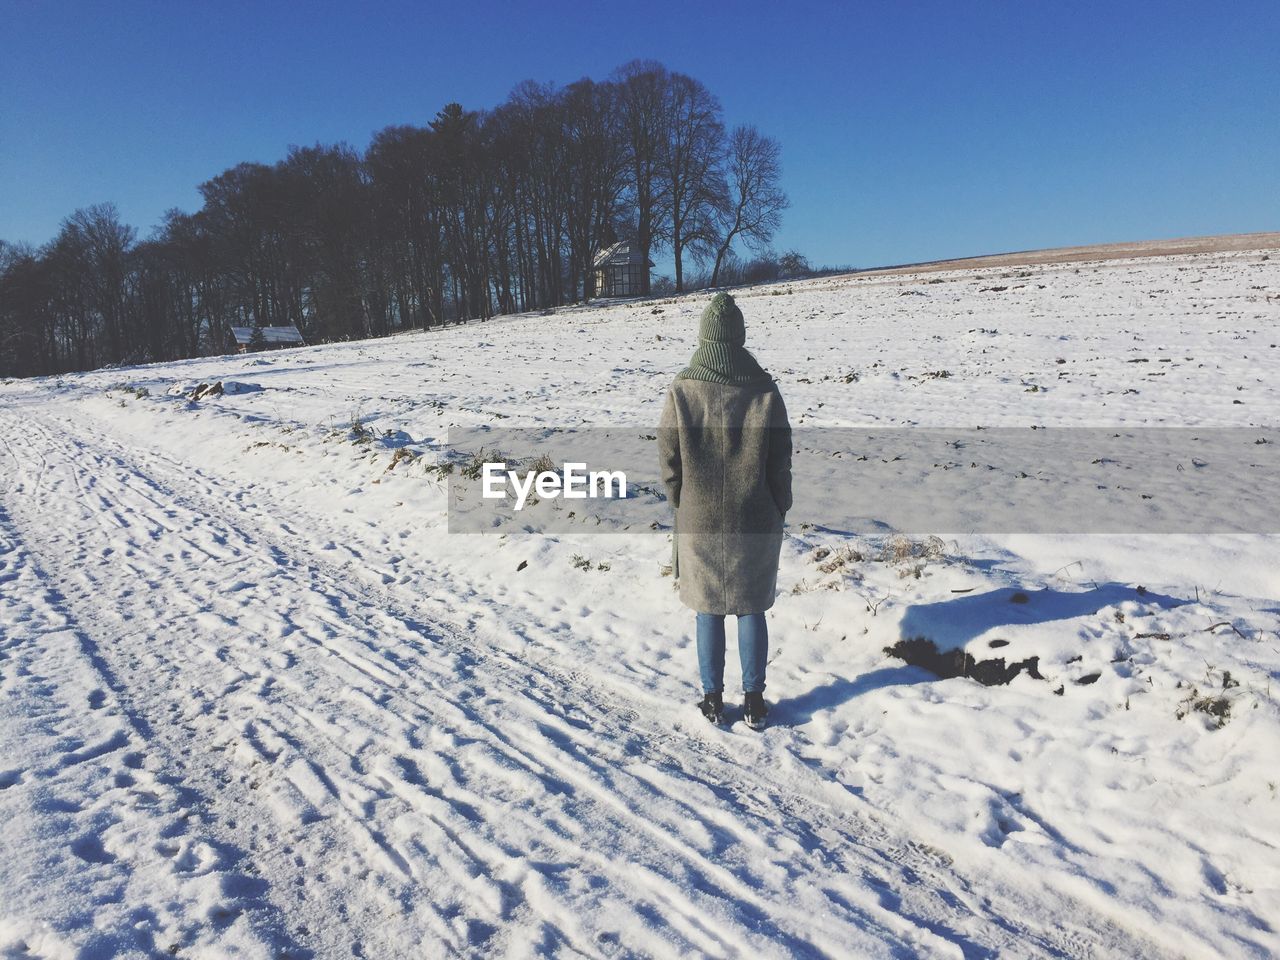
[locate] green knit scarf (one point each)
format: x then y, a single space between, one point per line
723 363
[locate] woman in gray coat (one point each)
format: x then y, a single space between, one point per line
724 446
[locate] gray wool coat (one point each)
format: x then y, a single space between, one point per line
725 458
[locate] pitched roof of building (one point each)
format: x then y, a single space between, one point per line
621 254
270 335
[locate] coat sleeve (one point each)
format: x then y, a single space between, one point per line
778 469
669 450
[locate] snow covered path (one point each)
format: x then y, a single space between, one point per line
314 749
255 701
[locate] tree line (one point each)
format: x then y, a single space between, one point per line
475 214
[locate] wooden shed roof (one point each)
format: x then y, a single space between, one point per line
275 336
621 254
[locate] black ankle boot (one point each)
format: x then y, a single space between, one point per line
712 707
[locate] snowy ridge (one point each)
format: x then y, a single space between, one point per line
257 702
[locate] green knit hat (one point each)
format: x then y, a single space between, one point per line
722 322
721 356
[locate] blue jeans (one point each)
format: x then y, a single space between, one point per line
753 651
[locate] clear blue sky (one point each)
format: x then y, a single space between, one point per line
910 130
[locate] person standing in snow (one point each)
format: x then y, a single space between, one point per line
724 448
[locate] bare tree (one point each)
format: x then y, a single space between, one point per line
465 169
689 162
104 244
596 163
27 340
755 196
793 264
402 164
538 165
258 251
328 210
643 104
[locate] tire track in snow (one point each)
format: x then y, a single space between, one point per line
92 812
191 692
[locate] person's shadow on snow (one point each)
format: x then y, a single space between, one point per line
796 711
950 624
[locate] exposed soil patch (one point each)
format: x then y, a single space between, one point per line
923 652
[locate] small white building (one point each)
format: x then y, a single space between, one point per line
620 271
252 339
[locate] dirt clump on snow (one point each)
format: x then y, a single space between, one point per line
923 652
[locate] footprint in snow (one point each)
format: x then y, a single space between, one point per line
89 849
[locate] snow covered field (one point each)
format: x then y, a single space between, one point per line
256 701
